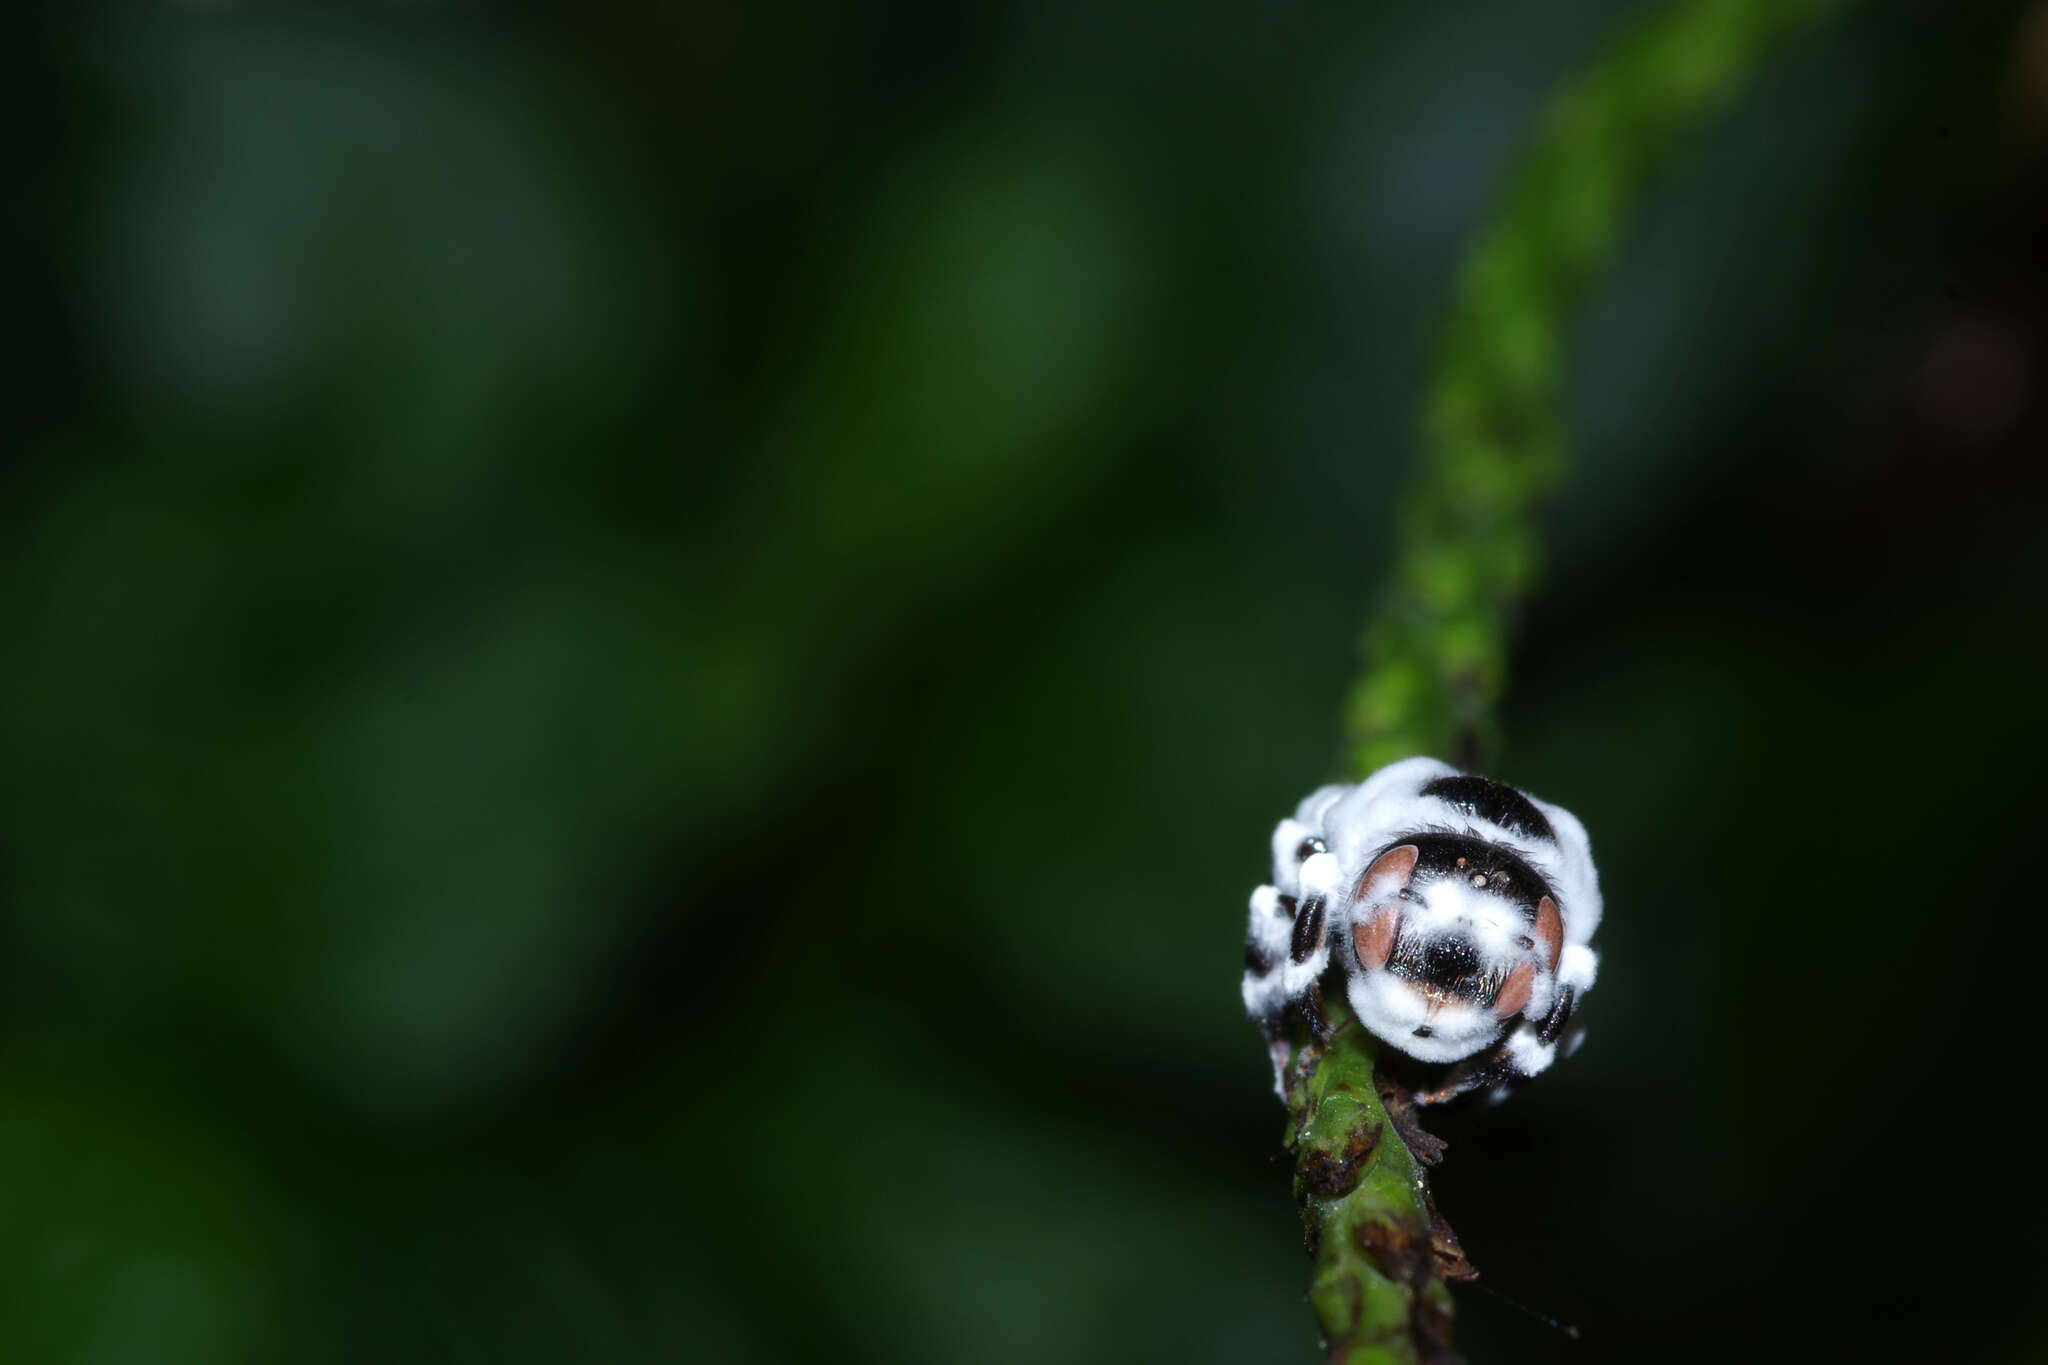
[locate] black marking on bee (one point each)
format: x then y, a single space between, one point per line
1449 965
1308 848
1482 798
1560 1015
1284 904
1310 1008
1255 959
1308 930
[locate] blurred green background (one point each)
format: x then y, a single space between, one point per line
649 652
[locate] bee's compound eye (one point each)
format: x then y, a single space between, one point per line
1550 930
1308 848
1373 941
1515 991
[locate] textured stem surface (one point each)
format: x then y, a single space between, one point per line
1381 1253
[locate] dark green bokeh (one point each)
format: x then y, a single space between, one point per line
649 654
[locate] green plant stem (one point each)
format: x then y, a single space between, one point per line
1436 651
1381 1254
1492 429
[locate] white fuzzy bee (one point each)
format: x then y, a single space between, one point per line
1461 910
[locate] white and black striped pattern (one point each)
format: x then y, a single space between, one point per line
1468 946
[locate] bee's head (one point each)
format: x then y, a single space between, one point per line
1454 937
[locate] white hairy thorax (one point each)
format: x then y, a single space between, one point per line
1470 942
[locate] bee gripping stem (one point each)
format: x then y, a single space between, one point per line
1492 447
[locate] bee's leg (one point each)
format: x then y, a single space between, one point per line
1268 946
1560 1016
1311 1008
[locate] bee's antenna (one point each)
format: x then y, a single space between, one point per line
1521 1307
